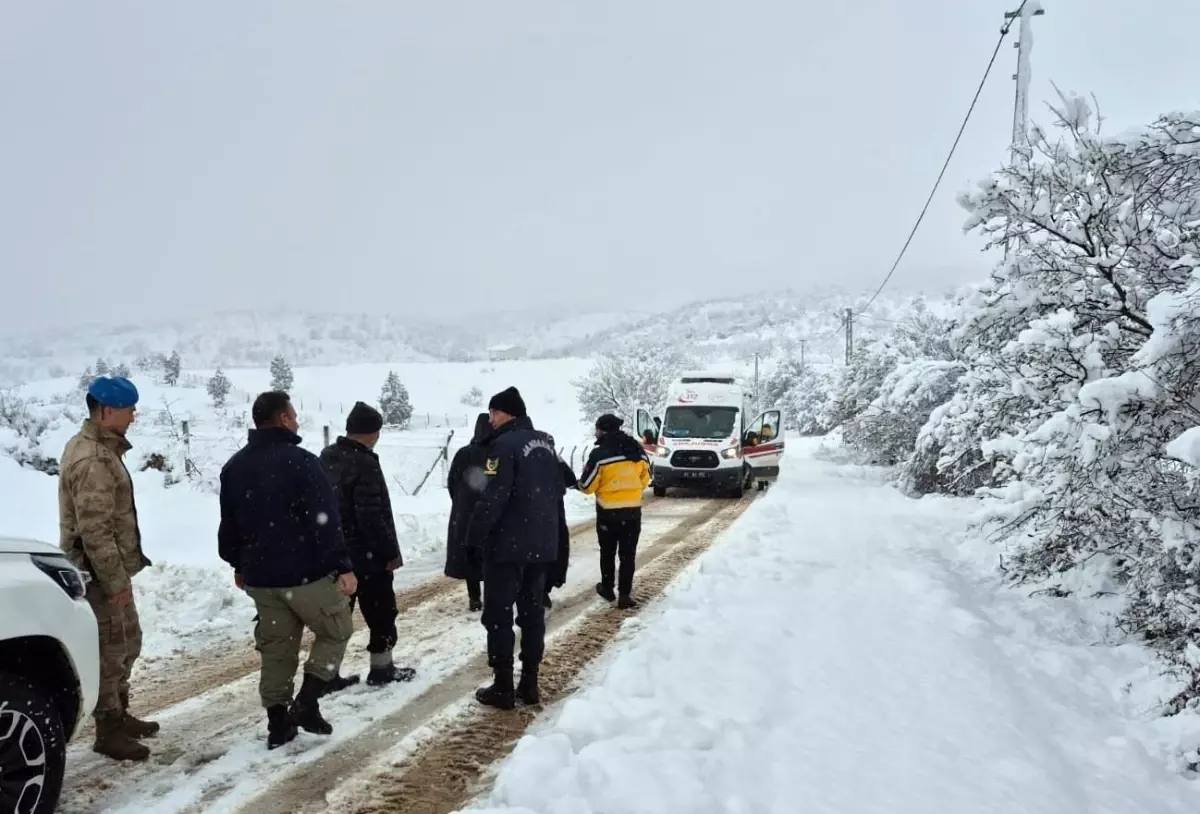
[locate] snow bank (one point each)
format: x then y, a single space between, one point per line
841 651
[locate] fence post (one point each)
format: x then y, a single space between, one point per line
188 466
325 432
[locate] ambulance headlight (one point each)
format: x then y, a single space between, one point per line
661 451
731 453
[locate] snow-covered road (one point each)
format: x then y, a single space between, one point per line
839 652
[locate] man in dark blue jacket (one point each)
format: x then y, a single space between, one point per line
281 532
516 527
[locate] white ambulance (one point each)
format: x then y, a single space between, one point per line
710 438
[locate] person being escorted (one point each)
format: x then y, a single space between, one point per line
369 529
98 531
466 482
281 531
617 473
556 575
515 526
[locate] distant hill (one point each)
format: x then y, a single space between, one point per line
732 327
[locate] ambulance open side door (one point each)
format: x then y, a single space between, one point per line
763 444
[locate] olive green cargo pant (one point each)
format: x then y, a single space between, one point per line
120 645
283 613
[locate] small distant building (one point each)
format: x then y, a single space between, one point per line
504 353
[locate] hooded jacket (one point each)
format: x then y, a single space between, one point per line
617 472
466 482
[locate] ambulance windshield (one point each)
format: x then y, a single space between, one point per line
699 422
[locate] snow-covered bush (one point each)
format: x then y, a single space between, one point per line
805 394
621 382
172 367
1082 370
473 397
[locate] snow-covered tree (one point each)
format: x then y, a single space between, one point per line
393 402
806 396
102 367
1082 370
85 379
219 387
122 369
281 374
172 366
621 382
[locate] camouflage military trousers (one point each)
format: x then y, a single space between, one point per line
120 645
283 613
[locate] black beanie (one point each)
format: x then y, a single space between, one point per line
608 423
363 419
509 401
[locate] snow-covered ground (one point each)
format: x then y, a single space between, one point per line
847 649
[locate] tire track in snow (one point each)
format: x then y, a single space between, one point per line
205 715
188 675
445 771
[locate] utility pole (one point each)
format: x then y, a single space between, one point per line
803 343
1024 46
849 334
757 397
1021 153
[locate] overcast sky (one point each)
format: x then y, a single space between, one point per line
434 158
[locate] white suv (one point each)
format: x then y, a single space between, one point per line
49 671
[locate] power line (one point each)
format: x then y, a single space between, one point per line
946 164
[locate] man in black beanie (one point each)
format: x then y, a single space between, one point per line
370 532
515 526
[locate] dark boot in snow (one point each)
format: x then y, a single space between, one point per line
547 603
500 694
627 602
475 605
605 591
389 675
306 711
281 728
136 727
112 740
339 683
527 689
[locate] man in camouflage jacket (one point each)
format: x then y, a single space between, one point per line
99 532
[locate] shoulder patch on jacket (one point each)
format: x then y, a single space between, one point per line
492 466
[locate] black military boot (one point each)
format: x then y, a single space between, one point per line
606 591
500 694
475 605
306 711
340 682
627 602
281 728
527 689
379 676
135 727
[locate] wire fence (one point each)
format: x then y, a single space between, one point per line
416 460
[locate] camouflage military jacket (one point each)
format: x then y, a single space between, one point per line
97 518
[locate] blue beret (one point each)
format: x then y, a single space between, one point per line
113 391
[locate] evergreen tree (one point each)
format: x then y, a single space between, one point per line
122 370
281 374
102 367
219 387
171 369
393 402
